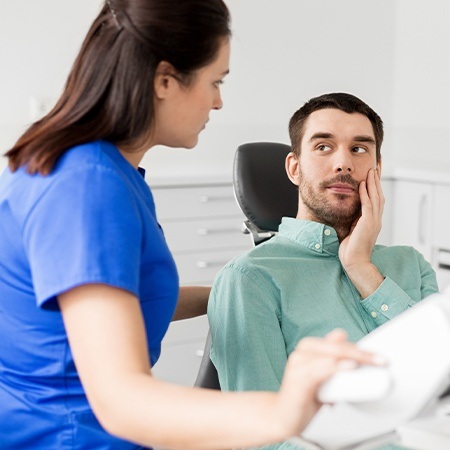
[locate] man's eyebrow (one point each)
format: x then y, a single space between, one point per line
321 135
368 139
324 135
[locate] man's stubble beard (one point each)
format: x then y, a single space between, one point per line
337 215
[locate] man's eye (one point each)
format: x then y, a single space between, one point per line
359 150
323 148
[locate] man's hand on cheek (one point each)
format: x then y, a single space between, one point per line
356 249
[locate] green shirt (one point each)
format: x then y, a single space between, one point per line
292 286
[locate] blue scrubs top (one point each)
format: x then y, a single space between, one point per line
92 220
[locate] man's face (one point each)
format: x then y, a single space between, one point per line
337 151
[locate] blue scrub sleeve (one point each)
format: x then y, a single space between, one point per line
85 228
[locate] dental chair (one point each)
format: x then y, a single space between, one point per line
265 194
262 188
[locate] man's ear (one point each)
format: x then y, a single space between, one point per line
292 168
165 79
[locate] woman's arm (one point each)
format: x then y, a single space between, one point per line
192 302
107 338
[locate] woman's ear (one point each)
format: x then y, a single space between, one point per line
292 168
165 79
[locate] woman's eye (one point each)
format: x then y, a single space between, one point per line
218 83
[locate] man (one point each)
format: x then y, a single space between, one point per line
323 269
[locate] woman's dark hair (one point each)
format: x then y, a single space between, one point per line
109 91
336 100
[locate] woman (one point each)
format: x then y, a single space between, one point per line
87 283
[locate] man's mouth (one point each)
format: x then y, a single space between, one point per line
342 184
341 188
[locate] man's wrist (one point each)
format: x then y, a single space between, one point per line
366 278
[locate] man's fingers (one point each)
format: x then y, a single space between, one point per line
380 190
373 190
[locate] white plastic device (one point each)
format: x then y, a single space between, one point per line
363 384
416 345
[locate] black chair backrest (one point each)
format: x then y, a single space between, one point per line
207 374
261 185
265 194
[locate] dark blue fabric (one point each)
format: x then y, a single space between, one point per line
92 220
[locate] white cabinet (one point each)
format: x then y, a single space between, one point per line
441 231
384 238
421 218
412 215
441 235
203 227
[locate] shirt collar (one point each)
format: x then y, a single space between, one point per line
313 235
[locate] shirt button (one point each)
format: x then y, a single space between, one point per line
317 246
374 314
384 307
327 232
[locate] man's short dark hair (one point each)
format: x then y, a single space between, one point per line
339 100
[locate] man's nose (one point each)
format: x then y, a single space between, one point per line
343 163
344 168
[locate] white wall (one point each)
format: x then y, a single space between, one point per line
283 53
421 104
38 42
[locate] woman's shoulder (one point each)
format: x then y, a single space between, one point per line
87 156
85 174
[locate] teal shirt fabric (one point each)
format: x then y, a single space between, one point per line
292 286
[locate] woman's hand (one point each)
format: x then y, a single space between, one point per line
312 362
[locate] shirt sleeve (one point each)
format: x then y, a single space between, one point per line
84 228
247 344
389 300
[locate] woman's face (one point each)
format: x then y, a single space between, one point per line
182 111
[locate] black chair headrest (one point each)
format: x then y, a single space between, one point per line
261 185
